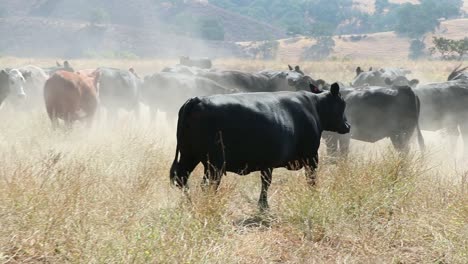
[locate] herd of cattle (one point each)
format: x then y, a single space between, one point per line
243 122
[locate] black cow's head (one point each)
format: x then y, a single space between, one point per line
332 111
401 81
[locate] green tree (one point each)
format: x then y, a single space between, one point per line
98 16
381 5
211 29
449 48
417 48
416 20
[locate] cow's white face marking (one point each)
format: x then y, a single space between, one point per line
17 81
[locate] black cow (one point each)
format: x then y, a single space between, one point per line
445 106
249 132
167 91
199 63
59 67
376 113
458 74
386 77
4 86
295 78
118 89
248 82
182 69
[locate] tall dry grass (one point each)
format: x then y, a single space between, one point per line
103 196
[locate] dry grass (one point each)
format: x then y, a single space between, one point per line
103 196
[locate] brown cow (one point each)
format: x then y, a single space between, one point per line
70 96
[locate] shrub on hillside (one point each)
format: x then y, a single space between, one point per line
320 50
449 48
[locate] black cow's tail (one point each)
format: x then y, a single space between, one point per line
422 146
180 127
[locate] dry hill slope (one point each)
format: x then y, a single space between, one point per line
387 45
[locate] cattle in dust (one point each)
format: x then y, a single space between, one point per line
202 63
295 79
167 91
65 66
444 106
385 77
118 89
35 78
247 132
70 97
248 82
376 113
12 84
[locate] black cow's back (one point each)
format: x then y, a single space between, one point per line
250 131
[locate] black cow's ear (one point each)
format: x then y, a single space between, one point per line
290 68
388 81
320 82
358 70
314 88
27 74
335 89
414 82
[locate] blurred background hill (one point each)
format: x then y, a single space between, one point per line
265 29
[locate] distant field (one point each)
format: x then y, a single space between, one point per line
103 195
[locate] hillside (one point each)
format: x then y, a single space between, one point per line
33 36
368 5
382 45
162 16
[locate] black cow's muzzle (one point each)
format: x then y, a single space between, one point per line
344 129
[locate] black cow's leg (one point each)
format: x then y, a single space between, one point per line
183 169
453 137
212 176
332 145
310 172
266 176
464 135
344 141
137 111
401 142
153 111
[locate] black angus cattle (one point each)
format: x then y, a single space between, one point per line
167 91
249 132
444 105
376 113
295 78
248 82
4 86
59 67
199 63
118 89
182 69
458 74
385 77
